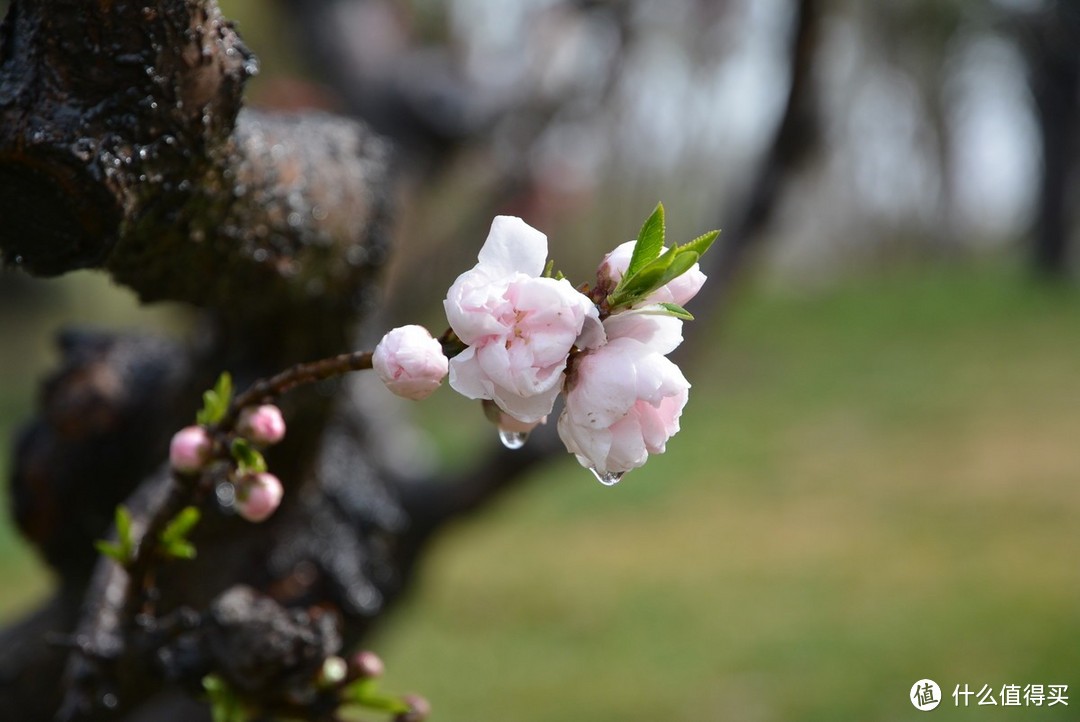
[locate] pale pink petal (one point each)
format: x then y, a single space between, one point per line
651 326
467 378
513 245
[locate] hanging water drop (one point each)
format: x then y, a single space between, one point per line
608 478
513 439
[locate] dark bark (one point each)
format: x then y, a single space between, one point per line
123 147
1050 44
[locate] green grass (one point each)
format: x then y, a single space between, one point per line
874 485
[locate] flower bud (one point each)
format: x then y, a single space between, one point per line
262 425
419 709
367 665
258 496
189 450
410 362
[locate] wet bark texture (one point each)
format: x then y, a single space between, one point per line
123 147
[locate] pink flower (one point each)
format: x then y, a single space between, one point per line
263 425
410 362
258 496
678 291
624 399
189 450
519 327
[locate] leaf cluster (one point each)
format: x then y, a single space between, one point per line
173 542
123 549
216 401
653 265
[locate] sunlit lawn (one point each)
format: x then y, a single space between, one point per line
874 484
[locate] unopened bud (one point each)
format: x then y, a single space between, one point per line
258 496
189 450
410 362
367 665
262 425
419 709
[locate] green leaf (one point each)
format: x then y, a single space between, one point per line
549 268
216 401
365 693
248 459
122 521
181 525
677 311
700 244
681 262
111 550
225 706
180 549
173 538
650 242
662 271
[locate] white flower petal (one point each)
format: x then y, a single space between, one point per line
513 245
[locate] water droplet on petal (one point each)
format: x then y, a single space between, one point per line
513 439
608 478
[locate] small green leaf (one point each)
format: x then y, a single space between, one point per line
700 244
365 692
644 282
681 262
180 549
181 525
216 401
549 268
248 459
677 311
173 538
111 550
225 706
122 521
650 242
123 549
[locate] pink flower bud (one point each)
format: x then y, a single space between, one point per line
262 425
190 449
367 665
410 362
258 496
419 709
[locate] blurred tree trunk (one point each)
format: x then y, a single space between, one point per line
796 138
1052 40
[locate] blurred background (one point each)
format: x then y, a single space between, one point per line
877 477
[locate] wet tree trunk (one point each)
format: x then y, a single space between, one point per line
123 147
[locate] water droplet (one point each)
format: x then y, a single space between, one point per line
513 439
226 494
608 478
